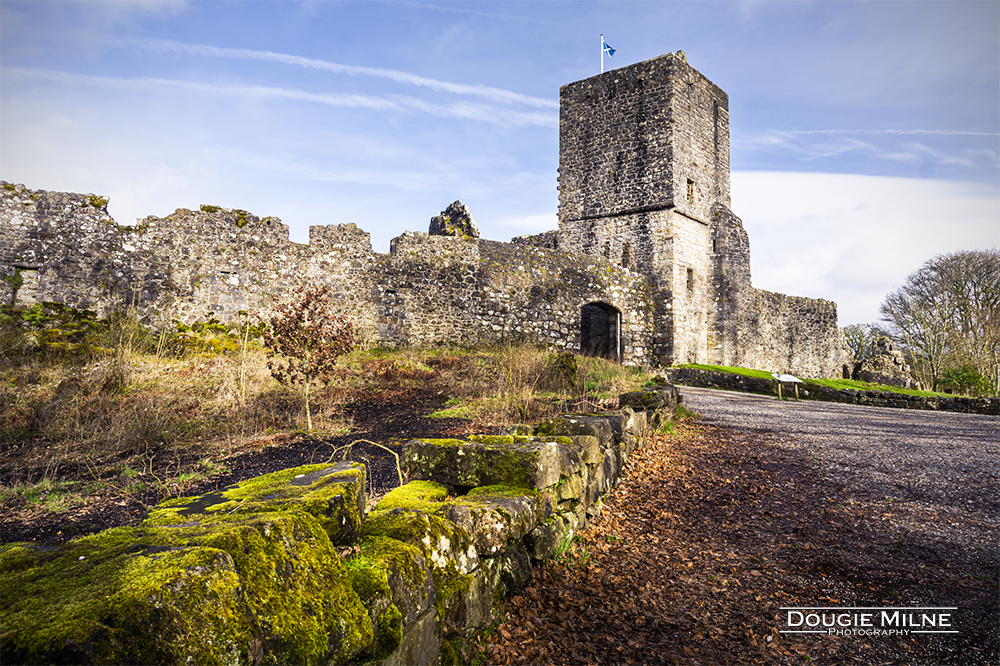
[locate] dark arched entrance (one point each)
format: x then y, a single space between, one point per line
600 331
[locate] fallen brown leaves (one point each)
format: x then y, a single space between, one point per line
709 534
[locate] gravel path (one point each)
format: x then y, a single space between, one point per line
939 471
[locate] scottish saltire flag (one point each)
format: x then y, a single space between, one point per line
607 49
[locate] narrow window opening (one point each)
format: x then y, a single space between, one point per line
715 246
690 190
626 255
690 281
715 125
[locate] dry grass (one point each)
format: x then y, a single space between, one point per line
503 385
134 418
139 421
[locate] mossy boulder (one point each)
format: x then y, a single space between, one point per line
550 535
496 516
464 603
513 461
447 548
335 494
418 494
577 424
406 573
663 397
510 571
395 585
421 643
222 588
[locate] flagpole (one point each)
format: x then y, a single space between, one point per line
602 53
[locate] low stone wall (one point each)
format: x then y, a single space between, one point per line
812 391
289 568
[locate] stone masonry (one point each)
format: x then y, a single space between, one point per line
644 183
648 266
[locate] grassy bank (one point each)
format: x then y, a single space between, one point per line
836 384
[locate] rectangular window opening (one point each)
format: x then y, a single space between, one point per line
690 279
690 190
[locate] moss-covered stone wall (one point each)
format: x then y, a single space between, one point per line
291 567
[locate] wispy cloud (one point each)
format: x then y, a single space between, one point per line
476 12
886 145
889 131
487 92
402 103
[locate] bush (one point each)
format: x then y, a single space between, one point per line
965 380
305 340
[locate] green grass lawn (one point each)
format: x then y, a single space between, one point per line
836 384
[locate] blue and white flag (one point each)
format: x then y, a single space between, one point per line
607 49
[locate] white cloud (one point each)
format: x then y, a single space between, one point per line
853 239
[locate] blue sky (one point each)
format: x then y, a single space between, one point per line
865 135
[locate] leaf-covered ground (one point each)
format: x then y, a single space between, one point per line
710 534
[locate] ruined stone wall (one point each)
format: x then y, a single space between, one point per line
645 235
464 290
792 334
292 567
730 278
65 247
181 266
428 290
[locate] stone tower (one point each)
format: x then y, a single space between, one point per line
644 183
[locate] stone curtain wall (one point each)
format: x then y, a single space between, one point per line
65 246
428 290
464 290
645 230
730 276
184 265
792 334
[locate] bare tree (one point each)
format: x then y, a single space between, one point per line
948 314
859 339
304 341
972 280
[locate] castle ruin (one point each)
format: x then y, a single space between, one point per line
648 266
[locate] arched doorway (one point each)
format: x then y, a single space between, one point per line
600 331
